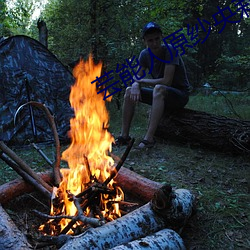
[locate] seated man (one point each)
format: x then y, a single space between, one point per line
168 89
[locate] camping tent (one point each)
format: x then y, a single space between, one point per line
30 72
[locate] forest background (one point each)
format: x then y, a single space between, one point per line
111 30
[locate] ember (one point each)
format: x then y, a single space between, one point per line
87 188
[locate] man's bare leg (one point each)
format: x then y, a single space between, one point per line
128 110
156 113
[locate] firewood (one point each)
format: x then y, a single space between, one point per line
120 163
10 237
136 185
132 183
26 176
161 240
175 206
150 218
18 187
138 223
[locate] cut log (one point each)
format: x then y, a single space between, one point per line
212 131
18 187
140 187
163 239
176 207
10 237
150 218
139 223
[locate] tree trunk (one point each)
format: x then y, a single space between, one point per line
10 237
43 32
212 131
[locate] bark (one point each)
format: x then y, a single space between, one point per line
150 218
163 239
175 207
18 187
43 32
138 223
136 185
212 131
131 182
26 176
10 237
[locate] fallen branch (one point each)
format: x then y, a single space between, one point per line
120 163
26 176
212 131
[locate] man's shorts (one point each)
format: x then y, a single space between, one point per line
175 99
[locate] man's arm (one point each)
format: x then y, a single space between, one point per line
135 93
165 80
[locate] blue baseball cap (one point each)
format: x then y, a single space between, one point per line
150 26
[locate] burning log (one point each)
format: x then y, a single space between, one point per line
10 237
216 132
163 239
167 209
120 163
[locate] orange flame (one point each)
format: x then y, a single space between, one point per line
90 138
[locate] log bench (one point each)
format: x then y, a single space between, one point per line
208 130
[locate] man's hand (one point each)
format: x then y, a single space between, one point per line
135 93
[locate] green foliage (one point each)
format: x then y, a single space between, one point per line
111 30
232 71
4 19
20 16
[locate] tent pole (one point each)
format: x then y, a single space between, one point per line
33 125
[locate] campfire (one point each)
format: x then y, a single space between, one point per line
87 198
87 188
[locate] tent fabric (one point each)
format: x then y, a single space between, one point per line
30 72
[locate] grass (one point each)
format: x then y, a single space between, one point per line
234 106
219 180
